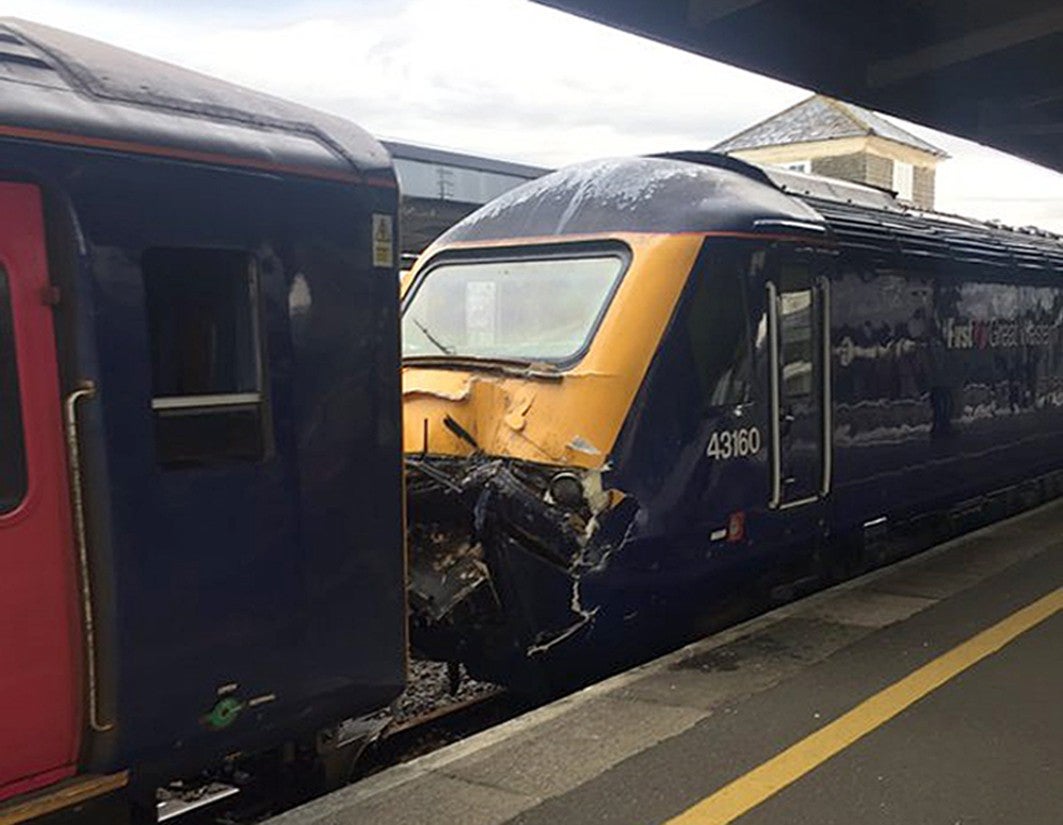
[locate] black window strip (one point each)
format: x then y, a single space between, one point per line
12 446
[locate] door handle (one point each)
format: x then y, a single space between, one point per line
786 421
85 390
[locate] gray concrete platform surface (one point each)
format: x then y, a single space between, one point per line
984 746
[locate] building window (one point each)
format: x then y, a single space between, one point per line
903 179
206 369
798 166
12 450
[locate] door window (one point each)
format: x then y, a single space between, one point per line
12 449
795 323
202 307
800 378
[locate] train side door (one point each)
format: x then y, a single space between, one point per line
39 636
799 376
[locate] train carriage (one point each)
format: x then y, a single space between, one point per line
640 394
200 464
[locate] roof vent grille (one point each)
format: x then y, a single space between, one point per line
9 56
23 63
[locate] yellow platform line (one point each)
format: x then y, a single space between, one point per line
749 790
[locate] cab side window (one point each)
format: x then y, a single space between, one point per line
12 449
717 328
206 365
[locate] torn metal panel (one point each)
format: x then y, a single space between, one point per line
583 618
452 390
500 551
447 577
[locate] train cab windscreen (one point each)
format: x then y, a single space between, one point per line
529 310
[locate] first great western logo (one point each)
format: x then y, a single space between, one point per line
998 334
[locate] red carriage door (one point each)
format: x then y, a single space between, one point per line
39 619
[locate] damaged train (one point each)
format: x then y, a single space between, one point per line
643 394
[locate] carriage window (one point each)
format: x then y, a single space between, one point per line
202 307
717 331
12 452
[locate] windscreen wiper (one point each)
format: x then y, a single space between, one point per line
443 348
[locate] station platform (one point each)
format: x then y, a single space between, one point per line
930 691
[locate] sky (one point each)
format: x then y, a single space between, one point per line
503 78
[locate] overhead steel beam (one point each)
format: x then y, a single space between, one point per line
961 49
704 12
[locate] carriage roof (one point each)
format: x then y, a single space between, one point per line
67 89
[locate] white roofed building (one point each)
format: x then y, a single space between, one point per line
841 140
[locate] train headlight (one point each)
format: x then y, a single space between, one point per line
566 489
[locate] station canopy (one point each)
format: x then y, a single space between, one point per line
986 70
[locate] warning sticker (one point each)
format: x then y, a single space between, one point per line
383 241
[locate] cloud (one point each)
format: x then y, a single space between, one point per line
503 78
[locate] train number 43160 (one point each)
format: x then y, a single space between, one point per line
739 443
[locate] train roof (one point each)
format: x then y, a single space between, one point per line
63 88
647 194
710 192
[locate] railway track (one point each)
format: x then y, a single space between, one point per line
439 727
